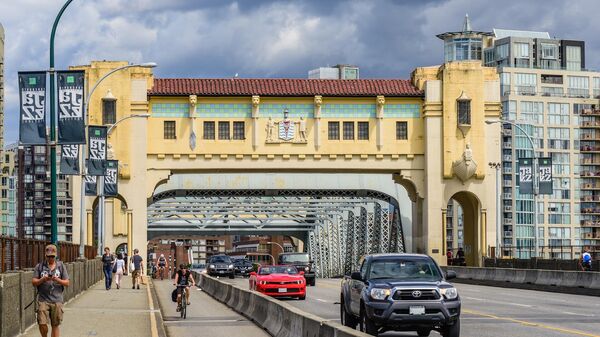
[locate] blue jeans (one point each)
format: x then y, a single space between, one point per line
108 276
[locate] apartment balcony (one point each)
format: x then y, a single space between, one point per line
590 223
590 210
508 222
593 236
586 124
590 198
589 149
508 234
507 157
507 132
507 145
590 174
508 208
507 196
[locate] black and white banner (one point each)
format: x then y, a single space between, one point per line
69 159
32 116
90 184
525 175
71 124
111 179
545 172
97 146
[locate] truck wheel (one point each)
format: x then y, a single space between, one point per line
452 330
367 325
423 332
347 318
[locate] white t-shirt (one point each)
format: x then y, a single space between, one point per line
120 265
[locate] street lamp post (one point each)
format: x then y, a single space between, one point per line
280 246
535 179
53 190
82 217
497 167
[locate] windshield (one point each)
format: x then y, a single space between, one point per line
277 270
420 269
294 258
220 259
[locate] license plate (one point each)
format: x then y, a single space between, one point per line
282 290
417 310
221 271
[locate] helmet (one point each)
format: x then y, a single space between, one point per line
182 266
162 255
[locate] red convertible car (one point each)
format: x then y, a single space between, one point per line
279 281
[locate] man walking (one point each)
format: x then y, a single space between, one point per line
108 261
50 278
138 269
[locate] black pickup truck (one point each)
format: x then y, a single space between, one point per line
303 263
400 292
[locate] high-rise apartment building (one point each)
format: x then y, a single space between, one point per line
8 192
34 196
547 91
3 163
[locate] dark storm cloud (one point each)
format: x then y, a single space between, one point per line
259 38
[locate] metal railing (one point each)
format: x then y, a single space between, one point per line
17 254
549 252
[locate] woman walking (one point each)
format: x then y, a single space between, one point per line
120 269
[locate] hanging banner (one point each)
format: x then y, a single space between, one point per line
90 183
97 144
71 124
525 176
545 174
111 178
32 116
69 159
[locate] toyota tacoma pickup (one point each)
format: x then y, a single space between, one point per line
400 292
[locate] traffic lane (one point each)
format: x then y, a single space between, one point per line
213 317
487 311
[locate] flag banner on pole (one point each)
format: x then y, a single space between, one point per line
97 150
545 174
90 183
525 176
111 178
69 159
71 124
32 116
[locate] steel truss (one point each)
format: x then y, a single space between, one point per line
339 226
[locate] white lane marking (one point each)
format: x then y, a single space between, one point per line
499 302
576 314
320 300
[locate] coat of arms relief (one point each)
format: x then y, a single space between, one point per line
286 130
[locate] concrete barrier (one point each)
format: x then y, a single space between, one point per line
278 318
17 313
570 282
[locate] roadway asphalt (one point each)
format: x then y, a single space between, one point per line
205 316
486 311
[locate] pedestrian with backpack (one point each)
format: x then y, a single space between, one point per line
586 261
50 277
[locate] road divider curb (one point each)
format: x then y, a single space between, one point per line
279 319
569 282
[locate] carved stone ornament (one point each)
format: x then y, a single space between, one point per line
466 167
255 100
286 131
318 100
193 100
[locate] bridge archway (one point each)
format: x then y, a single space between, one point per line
466 223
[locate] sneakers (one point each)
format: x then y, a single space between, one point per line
138 287
133 287
188 303
178 308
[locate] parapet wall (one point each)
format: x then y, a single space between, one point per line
17 294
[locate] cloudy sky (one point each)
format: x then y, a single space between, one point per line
260 38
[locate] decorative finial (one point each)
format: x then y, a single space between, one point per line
467 24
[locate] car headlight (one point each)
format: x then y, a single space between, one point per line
262 282
230 266
380 294
212 266
299 281
449 293
306 269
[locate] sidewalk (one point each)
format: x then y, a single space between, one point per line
116 312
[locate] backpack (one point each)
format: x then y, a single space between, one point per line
174 295
587 257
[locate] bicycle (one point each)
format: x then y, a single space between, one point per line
183 305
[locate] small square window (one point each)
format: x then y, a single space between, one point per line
401 130
348 130
169 130
333 130
209 130
363 130
224 133
239 130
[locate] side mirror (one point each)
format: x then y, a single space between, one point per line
302 273
450 274
253 273
356 276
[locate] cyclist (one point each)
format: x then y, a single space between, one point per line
586 261
183 277
162 262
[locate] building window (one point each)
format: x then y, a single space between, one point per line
525 83
109 111
579 86
549 51
333 130
401 130
224 130
558 113
208 130
169 130
573 58
363 130
464 112
238 130
348 131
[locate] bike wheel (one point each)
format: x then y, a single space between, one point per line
183 304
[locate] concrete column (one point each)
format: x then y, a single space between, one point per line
380 112
129 232
444 231
255 116
90 227
317 129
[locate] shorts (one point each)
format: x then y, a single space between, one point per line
180 289
135 273
50 312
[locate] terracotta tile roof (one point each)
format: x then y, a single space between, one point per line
281 87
